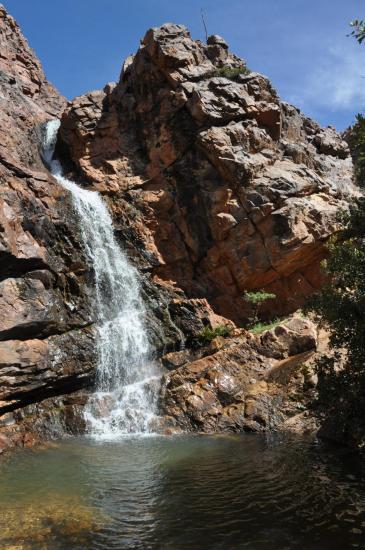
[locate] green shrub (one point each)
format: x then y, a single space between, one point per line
256 299
262 327
340 307
208 334
356 141
231 72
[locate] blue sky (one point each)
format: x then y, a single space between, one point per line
300 44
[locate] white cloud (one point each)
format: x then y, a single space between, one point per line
337 82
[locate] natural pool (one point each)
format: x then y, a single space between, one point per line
244 491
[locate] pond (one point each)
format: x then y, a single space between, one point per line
215 492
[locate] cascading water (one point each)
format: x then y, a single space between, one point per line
125 396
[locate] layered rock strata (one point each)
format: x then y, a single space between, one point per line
45 317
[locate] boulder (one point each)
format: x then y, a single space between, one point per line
254 384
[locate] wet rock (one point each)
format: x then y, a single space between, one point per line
49 419
176 359
247 386
191 316
5 443
46 347
34 369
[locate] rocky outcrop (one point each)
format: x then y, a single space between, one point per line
245 383
46 283
21 69
216 185
45 316
51 418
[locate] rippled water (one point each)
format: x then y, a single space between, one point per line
183 492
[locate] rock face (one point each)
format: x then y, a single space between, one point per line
45 317
215 183
251 383
216 187
46 283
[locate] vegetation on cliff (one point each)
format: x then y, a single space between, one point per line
356 141
232 73
358 30
341 306
341 373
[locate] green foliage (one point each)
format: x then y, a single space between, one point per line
356 141
358 30
342 302
341 306
231 72
208 334
256 299
259 297
262 327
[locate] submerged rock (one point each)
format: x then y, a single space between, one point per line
57 517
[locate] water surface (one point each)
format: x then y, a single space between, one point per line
245 491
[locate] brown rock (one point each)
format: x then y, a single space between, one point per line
23 70
246 386
42 300
216 187
294 337
229 188
176 359
31 369
5 443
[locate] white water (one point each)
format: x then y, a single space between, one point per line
126 383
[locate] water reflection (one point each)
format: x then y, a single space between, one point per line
184 492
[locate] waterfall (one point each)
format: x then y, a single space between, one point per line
124 399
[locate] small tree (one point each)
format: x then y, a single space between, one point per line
358 30
355 136
256 299
341 306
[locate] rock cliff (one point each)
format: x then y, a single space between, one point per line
44 309
216 187
215 182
